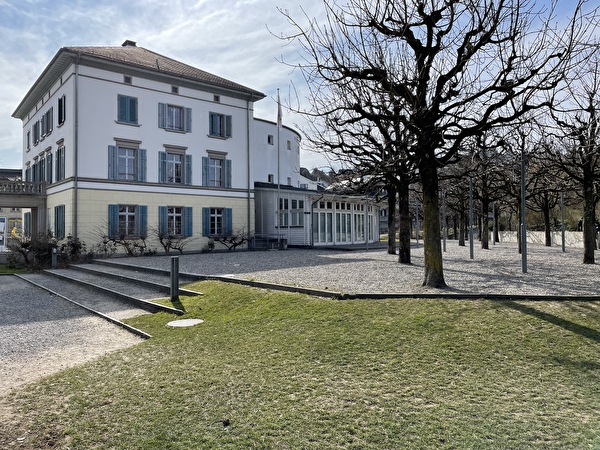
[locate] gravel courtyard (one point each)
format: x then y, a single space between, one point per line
494 271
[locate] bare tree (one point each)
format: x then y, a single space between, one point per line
458 67
577 150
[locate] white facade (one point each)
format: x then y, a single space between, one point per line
172 150
133 145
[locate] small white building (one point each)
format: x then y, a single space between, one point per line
294 209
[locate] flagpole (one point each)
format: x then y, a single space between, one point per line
279 123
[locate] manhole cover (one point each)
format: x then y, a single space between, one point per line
184 323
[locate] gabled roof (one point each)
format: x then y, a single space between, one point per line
129 56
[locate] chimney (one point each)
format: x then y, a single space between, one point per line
128 43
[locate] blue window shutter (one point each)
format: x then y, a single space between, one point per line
227 221
188 120
141 169
62 162
162 220
205 171
142 220
162 115
59 222
122 108
50 118
113 221
49 168
162 167
228 126
56 223
214 127
133 110
187 221
188 169
62 220
227 173
205 221
28 174
113 162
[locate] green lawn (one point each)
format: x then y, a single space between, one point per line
295 372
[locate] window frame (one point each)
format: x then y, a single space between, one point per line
220 125
127 109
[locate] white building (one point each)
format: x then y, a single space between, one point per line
131 144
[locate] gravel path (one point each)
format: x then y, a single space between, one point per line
41 334
494 271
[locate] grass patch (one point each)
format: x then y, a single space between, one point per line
290 371
6 270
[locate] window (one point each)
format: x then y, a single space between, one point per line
28 173
216 171
59 222
175 118
46 124
127 221
62 112
297 213
217 98
28 140
220 125
127 79
271 178
36 132
175 167
175 221
126 163
174 90
216 221
60 163
289 145
270 139
127 109
283 212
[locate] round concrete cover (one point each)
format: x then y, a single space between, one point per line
184 323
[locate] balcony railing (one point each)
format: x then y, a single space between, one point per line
22 188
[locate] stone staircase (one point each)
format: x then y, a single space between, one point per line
112 291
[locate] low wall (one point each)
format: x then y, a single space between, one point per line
572 238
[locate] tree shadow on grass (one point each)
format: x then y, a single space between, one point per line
568 325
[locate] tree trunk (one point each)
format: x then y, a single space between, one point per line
485 207
496 225
405 222
391 219
463 228
546 212
589 220
434 272
455 227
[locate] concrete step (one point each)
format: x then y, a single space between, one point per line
115 307
133 293
160 281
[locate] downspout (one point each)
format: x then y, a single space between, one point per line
76 150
